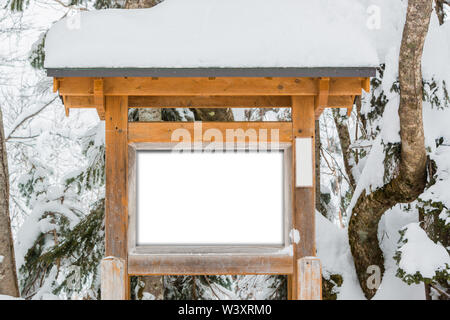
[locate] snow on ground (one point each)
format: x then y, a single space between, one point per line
420 254
216 33
334 252
439 191
392 287
371 177
333 249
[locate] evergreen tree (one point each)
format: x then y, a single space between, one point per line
59 241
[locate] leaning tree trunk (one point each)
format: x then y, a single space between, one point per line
8 274
410 180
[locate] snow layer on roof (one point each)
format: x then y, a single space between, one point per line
216 33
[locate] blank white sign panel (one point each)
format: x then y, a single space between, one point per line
219 198
304 162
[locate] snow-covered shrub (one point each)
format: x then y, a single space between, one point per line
420 259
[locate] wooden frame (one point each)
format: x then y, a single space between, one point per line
112 96
185 260
73 86
161 132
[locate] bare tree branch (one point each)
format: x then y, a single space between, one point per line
28 116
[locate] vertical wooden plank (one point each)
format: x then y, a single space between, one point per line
321 101
131 199
303 125
309 279
56 84
116 195
66 106
99 98
290 295
303 120
113 279
365 84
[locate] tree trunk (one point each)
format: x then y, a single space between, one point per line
220 114
153 285
410 180
149 114
317 147
344 138
8 274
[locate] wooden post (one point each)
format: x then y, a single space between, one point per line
114 278
309 279
303 125
116 193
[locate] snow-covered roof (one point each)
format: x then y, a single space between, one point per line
328 36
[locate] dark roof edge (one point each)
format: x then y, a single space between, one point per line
213 72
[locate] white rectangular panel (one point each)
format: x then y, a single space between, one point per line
219 198
304 162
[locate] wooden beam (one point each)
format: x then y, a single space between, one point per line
206 102
56 83
365 84
210 102
204 87
303 116
186 264
113 279
304 208
99 98
340 101
79 102
205 131
310 279
116 168
66 107
323 96
303 126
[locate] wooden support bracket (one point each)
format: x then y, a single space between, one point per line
350 107
365 84
99 98
56 84
322 99
66 106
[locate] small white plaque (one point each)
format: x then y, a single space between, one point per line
304 162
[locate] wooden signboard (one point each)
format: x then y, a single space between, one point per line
307 98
